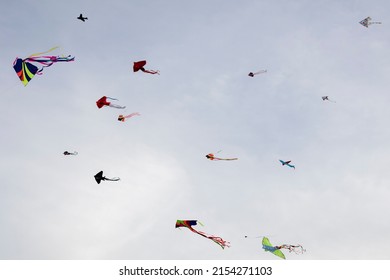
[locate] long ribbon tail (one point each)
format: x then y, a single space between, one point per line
292 166
40 53
151 71
47 61
375 22
112 179
216 239
132 115
111 98
116 106
226 158
260 72
297 249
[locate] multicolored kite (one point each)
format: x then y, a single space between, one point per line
26 70
268 247
99 177
251 74
139 65
367 21
212 157
189 223
103 102
122 118
66 153
287 163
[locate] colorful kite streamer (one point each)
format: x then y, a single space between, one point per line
189 223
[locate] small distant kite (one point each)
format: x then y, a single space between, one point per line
99 177
139 65
103 102
287 163
26 70
66 153
327 98
80 17
267 246
189 223
251 74
123 118
367 21
213 157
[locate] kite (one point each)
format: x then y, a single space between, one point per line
103 102
123 118
367 21
189 223
251 74
212 157
26 70
80 17
66 153
99 177
327 98
139 65
267 246
287 163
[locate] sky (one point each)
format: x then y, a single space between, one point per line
335 202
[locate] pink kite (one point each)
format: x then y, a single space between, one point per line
139 65
103 102
122 118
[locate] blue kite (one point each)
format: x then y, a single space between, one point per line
287 163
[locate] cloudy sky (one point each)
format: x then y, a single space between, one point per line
335 203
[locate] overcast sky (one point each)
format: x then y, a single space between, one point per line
335 203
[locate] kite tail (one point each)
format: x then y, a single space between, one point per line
297 249
260 72
151 71
113 179
227 158
216 239
47 61
132 115
220 241
116 106
36 54
111 98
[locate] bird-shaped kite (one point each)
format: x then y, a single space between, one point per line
276 250
80 17
212 157
123 118
287 163
367 21
189 223
251 74
66 153
103 102
26 70
139 65
99 177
